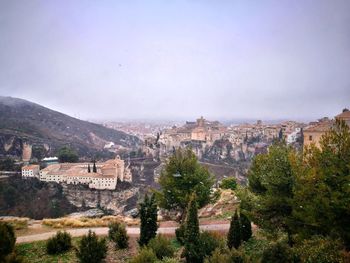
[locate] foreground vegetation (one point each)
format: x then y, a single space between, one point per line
299 201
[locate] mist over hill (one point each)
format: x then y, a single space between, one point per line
24 123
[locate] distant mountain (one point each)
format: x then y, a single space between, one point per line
25 125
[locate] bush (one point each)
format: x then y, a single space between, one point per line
180 234
161 246
91 249
226 256
59 243
209 241
168 260
319 250
117 233
276 253
16 222
229 183
146 255
7 240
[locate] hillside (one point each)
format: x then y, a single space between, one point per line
23 122
32 198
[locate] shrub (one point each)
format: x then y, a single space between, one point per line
229 183
218 256
180 234
209 241
276 253
161 246
319 250
146 255
13 258
168 260
7 240
226 256
91 249
16 222
81 222
59 243
117 233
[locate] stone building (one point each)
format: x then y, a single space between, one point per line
314 133
106 176
30 171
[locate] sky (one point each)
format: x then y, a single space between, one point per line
167 60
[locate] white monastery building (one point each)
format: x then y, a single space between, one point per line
106 176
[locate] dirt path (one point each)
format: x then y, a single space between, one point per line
133 231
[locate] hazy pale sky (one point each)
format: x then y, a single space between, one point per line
178 59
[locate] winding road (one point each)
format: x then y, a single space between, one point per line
133 231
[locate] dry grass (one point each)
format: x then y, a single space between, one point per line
86 222
16 222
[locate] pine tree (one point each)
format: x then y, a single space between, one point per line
148 216
94 169
246 227
92 249
89 169
193 251
234 233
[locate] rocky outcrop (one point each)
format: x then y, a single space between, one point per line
116 202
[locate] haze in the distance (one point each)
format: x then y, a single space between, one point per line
178 59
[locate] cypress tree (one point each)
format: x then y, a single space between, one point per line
148 216
94 169
234 234
246 227
89 169
193 252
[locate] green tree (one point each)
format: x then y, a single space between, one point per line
182 176
229 183
7 241
193 251
89 169
322 192
234 238
92 249
148 216
246 227
269 197
67 155
319 250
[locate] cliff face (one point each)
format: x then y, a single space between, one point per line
32 198
117 201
